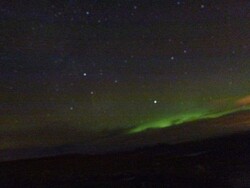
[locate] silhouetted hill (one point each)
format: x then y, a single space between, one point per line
218 162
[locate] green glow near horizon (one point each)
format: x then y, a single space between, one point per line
182 118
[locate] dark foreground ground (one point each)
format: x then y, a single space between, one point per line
220 162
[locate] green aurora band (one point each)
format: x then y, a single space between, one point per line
183 118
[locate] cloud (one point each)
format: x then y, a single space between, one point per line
245 101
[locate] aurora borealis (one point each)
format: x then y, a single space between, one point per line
183 118
82 72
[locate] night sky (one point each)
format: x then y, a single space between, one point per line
77 71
